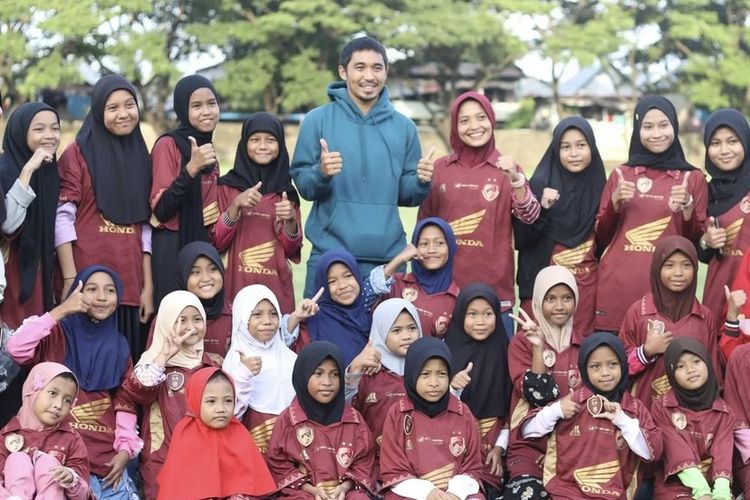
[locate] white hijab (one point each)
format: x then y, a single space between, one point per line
550 276
382 320
271 391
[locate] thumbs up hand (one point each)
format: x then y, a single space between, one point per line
462 378
284 209
715 237
735 300
331 162
679 196
200 157
367 361
426 166
253 363
625 190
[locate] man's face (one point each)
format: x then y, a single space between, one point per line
365 76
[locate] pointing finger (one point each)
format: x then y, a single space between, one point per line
318 295
324 146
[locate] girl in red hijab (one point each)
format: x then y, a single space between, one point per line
212 455
479 192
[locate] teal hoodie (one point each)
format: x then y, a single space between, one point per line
358 208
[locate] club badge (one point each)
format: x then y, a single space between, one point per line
344 456
490 191
457 445
407 424
550 357
175 381
679 420
409 294
305 435
14 442
595 405
644 184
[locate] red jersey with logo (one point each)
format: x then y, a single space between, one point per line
434 308
164 406
703 439
259 252
261 427
435 449
303 451
587 457
737 396
628 237
652 382
61 442
93 415
526 456
478 204
166 162
100 241
723 267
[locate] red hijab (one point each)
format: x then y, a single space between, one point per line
466 155
207 463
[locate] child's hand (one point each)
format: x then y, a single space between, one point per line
735 300
610 410
679 195
367 361
317 492
625 191
118 464
75 303
340 491
462 378
495 461
426 166
410 252
253 363
63 476
173 341
200 157
40 156
549 197
656 343
438 494
508 167
569 407
308 307
531 330
284 209
715 237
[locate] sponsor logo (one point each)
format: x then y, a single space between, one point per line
576 431
572 257
408 425
733 230
210 214
254 257
590 479
87 417
371 398
112 228
661 385
468 223
642 238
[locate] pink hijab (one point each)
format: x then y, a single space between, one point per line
37 380
466 155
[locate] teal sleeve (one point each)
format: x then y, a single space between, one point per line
692 477
722 490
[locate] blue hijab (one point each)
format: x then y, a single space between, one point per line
439 280
96 351
346 326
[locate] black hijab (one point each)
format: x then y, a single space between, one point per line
589 345
726 189
671 159
307 362
120 166
191 209
488 394
185 260
37 237
570 221
421 351
698 399
246 173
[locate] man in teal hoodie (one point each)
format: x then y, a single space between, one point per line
358 160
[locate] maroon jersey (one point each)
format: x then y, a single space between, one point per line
489 430
431 308
587 457
652 381
93 415
526 456
12 311
259 251
737 396
61 442
100 241
375 396
703 439
166 162
478 204
628 237
303 451
261 427
582 262
164 406
722 268
436 449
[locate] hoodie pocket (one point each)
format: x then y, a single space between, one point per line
369 231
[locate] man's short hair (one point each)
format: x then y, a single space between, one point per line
359 44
